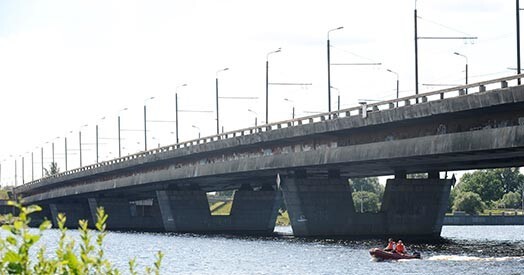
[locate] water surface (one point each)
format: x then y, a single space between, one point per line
465 250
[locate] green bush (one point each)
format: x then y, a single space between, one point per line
468 202
70 258
510 200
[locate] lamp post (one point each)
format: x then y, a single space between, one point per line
42 160
65 152
329 67
145 123
16 176
198 128
396 74
256 116
80 143
119 144
216 85
466 70
518 42
293 107
430 38
97 139
267 81
32 167
23 170
176 110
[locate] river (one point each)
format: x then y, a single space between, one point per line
465 250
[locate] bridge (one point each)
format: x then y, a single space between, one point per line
305 164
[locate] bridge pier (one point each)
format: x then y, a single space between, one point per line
416 207
124 214
318 207
411 208
188 211
74 210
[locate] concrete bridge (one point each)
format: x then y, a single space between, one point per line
305 164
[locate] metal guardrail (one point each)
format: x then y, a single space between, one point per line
362 110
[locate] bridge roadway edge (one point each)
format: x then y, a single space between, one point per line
485 147
424 110
394 154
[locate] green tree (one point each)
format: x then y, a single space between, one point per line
53 169
511 178
370 184
487 184
510 200
468 202
367 191
370 202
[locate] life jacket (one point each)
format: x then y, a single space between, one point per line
391 246
400 248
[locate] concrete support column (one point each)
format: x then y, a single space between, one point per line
93 205
415 207
318 207
142 214
252 212
256 211
165 210
184 210
74 211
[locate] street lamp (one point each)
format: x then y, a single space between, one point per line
256 116
430 38
518 44
80 142
198 128
42 160
119 144
216 85
267 80
176 110
145 123
293 105
23 170
465 57
393 72
97 139
32 166
329 67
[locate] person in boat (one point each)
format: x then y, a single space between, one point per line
391 245
400 248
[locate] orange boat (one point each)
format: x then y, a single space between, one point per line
382 255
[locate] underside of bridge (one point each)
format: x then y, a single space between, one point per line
319 205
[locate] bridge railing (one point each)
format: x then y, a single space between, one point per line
362 110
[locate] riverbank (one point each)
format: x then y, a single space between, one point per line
490 219
501 218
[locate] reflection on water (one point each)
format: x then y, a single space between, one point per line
464 249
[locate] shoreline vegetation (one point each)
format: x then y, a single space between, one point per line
83 256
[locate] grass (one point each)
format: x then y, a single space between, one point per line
283 219
221 208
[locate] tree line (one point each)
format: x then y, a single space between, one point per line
475 192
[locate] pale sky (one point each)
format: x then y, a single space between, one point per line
66 64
